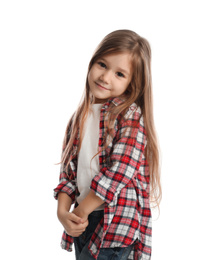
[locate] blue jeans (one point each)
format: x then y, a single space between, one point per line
82 242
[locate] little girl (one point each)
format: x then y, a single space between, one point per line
110 158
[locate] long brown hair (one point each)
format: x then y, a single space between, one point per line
138 91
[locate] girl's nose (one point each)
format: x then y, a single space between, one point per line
106 77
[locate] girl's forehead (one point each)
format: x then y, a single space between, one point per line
117 54
122 60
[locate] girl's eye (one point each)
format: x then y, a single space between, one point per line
120 74
102 64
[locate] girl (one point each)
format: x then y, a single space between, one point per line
110 158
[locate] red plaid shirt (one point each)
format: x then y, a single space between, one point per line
123 183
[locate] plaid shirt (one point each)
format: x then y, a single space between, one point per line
123 183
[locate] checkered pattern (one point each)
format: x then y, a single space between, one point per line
123 183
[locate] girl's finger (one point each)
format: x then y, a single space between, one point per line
75 218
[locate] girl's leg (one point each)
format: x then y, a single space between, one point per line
116 253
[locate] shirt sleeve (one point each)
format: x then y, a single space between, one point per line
67 182
125 159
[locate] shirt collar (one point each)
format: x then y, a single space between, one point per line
116 101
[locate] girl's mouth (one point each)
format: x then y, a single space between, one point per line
99 86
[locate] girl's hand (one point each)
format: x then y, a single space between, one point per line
78 212
73 225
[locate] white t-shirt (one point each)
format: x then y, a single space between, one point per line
89 147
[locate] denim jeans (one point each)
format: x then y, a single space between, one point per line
82 242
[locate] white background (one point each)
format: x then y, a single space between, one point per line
45 48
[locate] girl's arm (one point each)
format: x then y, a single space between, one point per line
88 205
74 226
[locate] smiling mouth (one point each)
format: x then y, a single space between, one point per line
98 85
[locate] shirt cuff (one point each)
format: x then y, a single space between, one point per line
103 189
67 187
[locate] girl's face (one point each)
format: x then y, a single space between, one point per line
110 76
